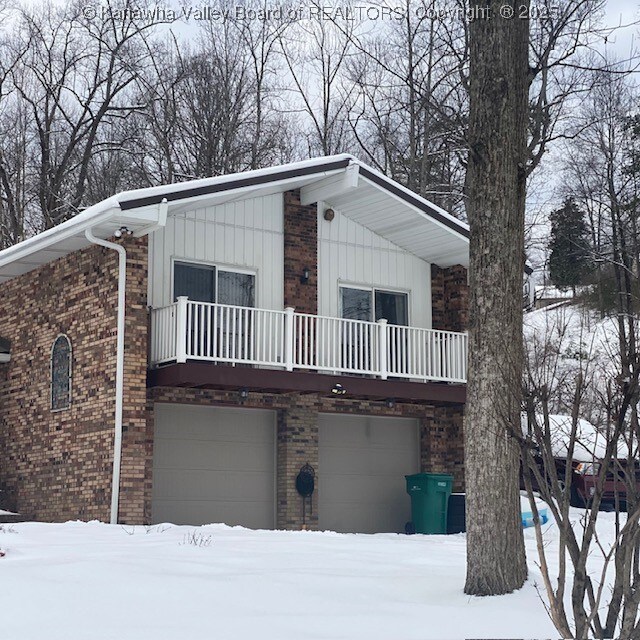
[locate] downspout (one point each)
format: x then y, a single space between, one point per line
117 440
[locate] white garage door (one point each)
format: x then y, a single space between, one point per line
361 468
213 464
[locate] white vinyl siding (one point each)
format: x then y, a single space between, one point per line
247 234
350 254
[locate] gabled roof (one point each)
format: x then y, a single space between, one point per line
341 182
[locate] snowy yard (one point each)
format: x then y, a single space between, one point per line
92 580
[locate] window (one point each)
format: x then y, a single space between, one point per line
206 283
5 350
197 282
374 304
61 373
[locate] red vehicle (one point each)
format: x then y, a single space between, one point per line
584 440
584 479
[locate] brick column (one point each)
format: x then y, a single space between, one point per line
300 252
437 297
449 298
442 444
137 437
297 445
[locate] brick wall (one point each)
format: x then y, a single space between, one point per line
7 500
297 445
450 298
300 252
297 436
442 443
58 465
137 437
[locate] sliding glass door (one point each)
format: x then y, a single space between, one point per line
359 342
224 332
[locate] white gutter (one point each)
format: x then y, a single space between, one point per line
117 439
94 215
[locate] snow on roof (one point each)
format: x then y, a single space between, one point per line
342 181
549 291
590 444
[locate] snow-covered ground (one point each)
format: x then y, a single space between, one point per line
91 580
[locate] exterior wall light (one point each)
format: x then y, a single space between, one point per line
306 274
122 231
338 390
243 394
390 402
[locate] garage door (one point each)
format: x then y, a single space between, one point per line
361 468
213 464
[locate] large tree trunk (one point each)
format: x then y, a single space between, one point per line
496 183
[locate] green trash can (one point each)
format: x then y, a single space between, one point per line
429 501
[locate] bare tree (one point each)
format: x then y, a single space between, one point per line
261 39
316 54
72 78
410 108
599 575
14 188
201 115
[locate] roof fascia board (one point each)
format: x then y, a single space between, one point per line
241 193
238 183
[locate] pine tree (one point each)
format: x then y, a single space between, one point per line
569 258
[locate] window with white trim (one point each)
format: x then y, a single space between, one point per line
208 283
358 303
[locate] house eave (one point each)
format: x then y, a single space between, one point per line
441 238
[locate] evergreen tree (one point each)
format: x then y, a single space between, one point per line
569 246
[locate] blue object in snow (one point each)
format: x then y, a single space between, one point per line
527 517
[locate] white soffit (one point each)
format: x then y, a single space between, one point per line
443 242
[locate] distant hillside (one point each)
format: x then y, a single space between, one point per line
567 339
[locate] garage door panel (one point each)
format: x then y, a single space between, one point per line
340 430
362 464
371 489
225 456
375 461
214 464
212 485
194 512
195 423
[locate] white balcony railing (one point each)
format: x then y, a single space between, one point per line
187 330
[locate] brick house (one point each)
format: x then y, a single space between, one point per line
311 313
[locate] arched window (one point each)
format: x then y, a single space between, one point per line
61 373
5 350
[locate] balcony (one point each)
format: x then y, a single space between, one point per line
219 333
